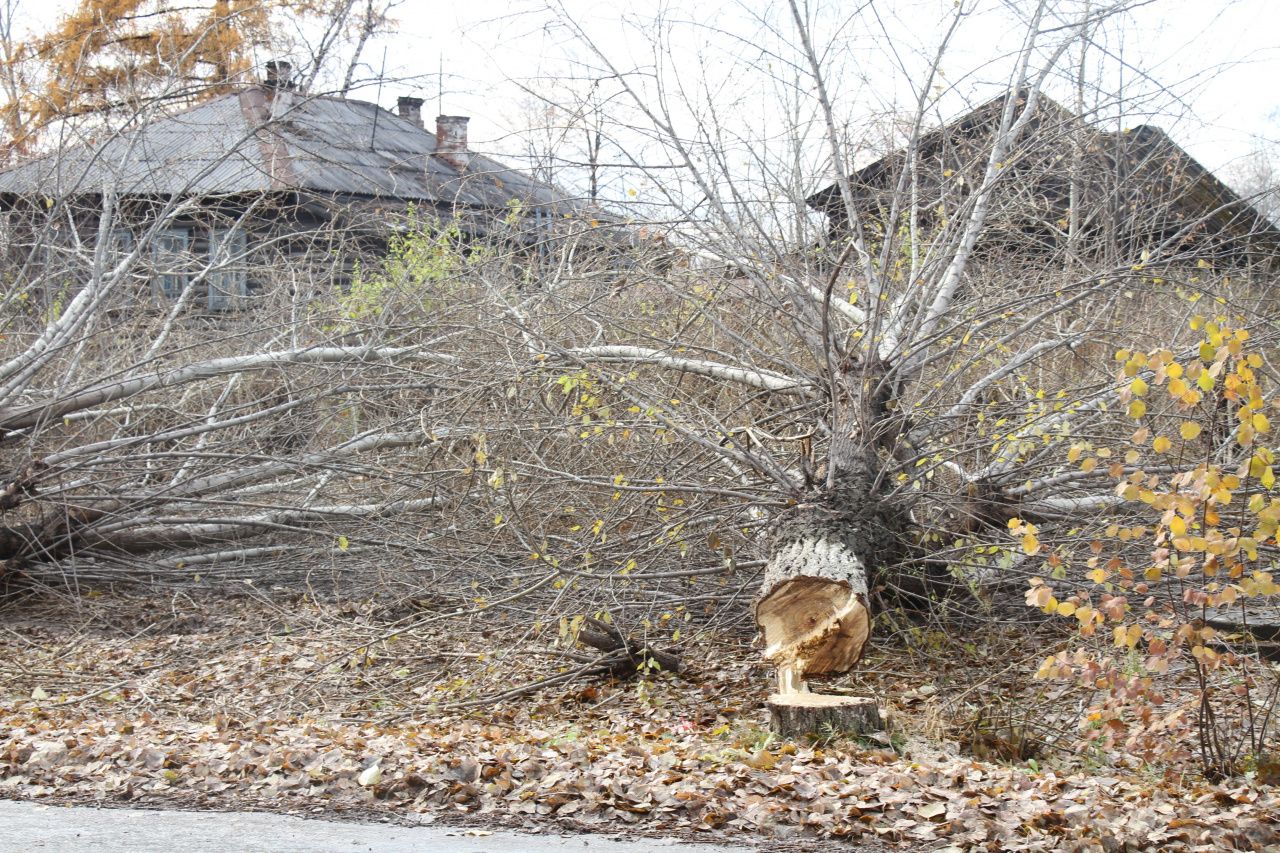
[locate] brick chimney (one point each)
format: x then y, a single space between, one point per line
279 75
410 109
451 141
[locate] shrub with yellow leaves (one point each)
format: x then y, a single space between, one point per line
1200 472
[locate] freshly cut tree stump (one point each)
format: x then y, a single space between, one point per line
799 714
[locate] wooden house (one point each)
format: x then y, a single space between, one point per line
1113 194
220 196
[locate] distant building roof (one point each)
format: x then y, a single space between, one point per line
263 140
1150 163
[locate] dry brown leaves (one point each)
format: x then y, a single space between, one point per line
313 721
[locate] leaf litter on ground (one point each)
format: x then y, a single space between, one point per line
309 707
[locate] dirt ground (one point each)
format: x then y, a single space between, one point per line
280 703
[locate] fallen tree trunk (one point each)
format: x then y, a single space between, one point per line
813 604
813 613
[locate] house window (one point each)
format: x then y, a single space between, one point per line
56 260
228 278
121 242
119 247
169 262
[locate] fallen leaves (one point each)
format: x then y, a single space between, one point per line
221 725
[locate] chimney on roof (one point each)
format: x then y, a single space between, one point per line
279 75
410 109
451 141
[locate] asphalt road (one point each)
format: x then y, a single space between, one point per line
27 826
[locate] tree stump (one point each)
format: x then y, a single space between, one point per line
798 714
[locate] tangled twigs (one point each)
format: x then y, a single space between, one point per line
609 639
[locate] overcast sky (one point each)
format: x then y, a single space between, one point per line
1219 59
1205 70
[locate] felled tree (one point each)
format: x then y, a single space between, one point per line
944 330
777 419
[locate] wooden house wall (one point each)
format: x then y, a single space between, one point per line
1136 192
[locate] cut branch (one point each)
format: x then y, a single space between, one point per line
30 415
764 380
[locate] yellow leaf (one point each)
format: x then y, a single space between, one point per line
1177 387
1260 423
1189 430
1205 381
343 543
1161 444
1174 370
1030 544
1098 575
1178 526
1137 409
1066 608
1138 387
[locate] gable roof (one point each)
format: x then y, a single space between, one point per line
1147 156
259 140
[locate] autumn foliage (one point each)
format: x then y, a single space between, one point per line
1194 552
109 55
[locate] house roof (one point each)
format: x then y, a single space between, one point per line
259 140
1150 156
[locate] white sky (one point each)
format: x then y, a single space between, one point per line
1219 59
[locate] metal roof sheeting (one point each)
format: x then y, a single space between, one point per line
257 140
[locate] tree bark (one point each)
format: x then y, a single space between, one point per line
799 714
812 607
813 603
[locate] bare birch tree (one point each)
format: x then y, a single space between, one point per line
927 363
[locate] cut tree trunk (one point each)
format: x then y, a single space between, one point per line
812 607
799 714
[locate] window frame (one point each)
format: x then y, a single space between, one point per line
170 262
228 277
